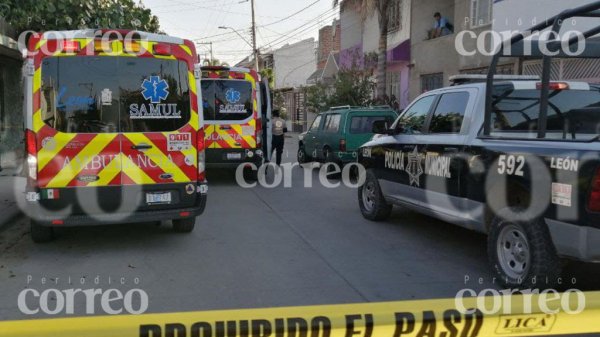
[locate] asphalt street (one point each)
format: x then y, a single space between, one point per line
259 247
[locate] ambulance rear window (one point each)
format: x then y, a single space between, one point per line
91 94
227 100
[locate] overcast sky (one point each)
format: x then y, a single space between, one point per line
199 20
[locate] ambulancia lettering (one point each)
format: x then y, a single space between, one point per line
99 162
216 136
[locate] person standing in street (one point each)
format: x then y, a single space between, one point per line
279 129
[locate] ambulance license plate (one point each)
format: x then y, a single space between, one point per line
234 156
158 198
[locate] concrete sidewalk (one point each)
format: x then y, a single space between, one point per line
9 208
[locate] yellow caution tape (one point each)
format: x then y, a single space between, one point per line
521 315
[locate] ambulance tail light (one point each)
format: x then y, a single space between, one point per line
200 148
259 130
31 154
162 49
594 198
342 145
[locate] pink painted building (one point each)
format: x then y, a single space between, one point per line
360 43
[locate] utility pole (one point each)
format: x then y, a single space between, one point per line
255 49
212 57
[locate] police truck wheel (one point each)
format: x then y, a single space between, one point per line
41 234
184 225
521 253
371 201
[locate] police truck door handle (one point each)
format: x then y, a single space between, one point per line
225 127
451 149
141 147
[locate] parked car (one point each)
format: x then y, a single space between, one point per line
335 135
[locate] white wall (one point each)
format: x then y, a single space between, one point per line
294 63
351 27
522 14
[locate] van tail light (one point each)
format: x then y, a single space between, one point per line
259 131
31 145
594 199
342 145
200 148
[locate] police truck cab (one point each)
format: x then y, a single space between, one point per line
516 158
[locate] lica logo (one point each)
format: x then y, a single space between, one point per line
233 96
155 89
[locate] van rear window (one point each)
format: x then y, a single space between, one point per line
227 100
572 114
364 124
114 94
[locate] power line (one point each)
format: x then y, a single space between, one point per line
301 29
291 15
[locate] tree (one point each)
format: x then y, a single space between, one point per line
214 63
48 15
351 87
380 8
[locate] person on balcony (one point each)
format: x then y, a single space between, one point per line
442 26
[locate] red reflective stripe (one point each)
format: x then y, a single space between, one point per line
125 180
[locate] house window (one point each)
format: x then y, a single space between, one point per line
432 82
393 84
481 13
395 16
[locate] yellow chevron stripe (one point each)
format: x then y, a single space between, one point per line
163 57
40 44
37 79
186 49
77 164
38 123
45 155
134 172
192 80
109 172
227 138
194 121
154 152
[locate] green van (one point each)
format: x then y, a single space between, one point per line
335 135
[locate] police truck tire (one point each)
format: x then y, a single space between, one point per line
371 201
41 234
521 253
184 225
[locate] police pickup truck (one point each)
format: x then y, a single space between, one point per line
517 158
